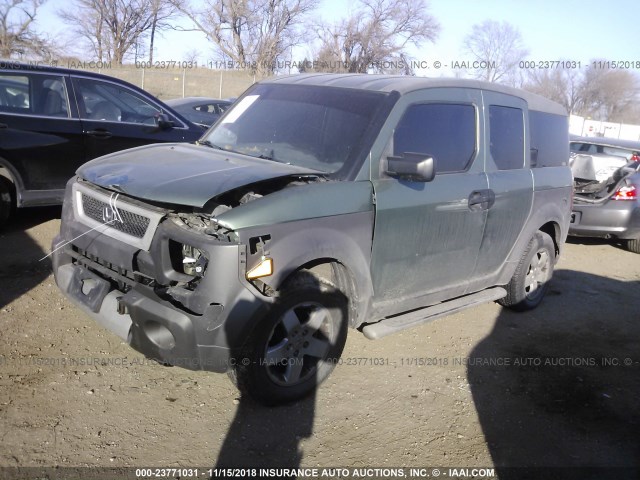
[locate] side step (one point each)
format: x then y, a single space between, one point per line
414 318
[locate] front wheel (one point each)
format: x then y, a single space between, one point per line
531 279
297 345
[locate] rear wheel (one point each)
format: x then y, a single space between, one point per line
531 279
7 200
633 245
296 346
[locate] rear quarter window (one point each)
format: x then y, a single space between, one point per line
14 93
550 138
37 94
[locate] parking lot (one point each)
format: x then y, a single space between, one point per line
557 386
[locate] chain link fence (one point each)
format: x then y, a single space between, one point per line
167 83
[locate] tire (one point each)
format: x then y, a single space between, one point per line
633 245
297 345
7 200
531 279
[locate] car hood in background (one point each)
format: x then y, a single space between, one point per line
181 174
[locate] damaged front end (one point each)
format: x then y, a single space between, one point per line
164 278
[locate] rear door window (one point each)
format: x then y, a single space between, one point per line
506 127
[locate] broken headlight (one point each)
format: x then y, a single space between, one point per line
193 261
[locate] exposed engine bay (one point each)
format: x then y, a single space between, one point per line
204 219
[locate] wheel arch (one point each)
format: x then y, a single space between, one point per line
342 241
8 172
552 229
337 274
550 214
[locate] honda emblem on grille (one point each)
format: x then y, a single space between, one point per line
110 213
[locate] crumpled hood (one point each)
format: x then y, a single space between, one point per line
180 173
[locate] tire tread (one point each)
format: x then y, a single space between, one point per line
515 298
633 245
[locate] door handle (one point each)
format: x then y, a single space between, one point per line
100 133
3 126
481 199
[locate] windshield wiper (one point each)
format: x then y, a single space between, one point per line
207 143
268 157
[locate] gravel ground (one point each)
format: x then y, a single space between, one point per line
556 387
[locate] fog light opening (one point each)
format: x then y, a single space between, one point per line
88 285
159 335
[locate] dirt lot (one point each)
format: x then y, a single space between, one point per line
557 387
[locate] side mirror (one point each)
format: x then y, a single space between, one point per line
163 121
412 166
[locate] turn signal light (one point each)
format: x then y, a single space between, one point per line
263 269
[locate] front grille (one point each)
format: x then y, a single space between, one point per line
126 222
116 216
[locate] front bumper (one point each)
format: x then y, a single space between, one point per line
615 218
137 294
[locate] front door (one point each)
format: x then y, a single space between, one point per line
427 235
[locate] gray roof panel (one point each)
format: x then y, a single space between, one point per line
405 84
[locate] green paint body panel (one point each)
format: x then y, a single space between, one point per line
324 199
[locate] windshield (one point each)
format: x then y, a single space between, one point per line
321 128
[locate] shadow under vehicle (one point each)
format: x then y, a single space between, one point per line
557 397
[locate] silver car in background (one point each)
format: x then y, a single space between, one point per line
607 184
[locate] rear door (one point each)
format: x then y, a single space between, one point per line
40 134
510 182
116 117
427 235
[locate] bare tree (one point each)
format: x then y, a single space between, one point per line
17 35
162 11
498 48
601 94
192 55
375 37
608 94
114 27
560 85
252 34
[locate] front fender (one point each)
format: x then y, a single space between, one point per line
342 238
303 224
